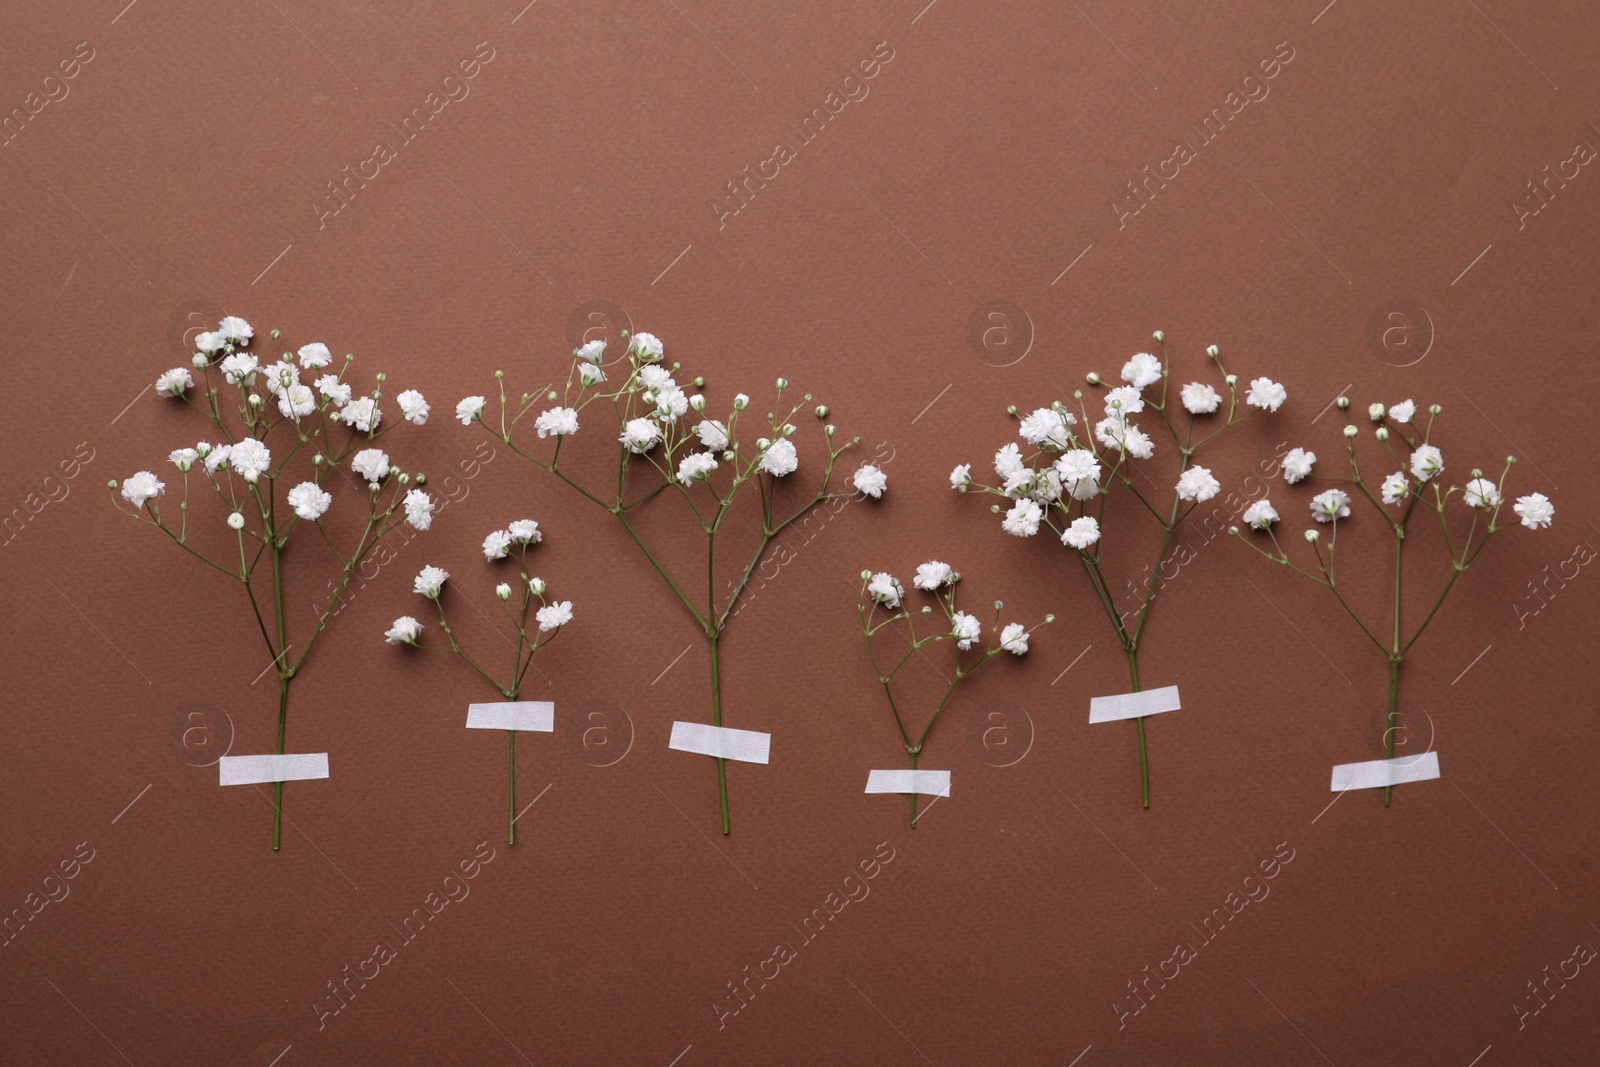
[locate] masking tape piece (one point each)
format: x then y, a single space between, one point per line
747 746
537 716
929 783
1134 705
294 767
1375 774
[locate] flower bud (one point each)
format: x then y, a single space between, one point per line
741 402
1350 432
1213 351
788 429
112 484
697 402
203 448
1343 403
1231 380
1476 473
699 383
1312 537
1434 409
762 444
1510 460
236 521
1159 336
373 488
536 586
1233 531
255 400
866 576
1052 618
503 591
1092 378
199 360
830 430
316 460
1375 411
1011 409
1381 433
422 479
252 477
822 411
927 609
405 479
783 383
382 377
998 604
276 335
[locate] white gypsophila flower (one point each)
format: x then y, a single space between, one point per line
1079 471
1124 400
1008 462
404 631
333 389
536 586
1266 394
1297 463
671 402
647 346
371 463
1403 411
1535 510
503 591
961 476
1047 486
1111 430
590 374
1046 428
1481 493
525 532
309 501
653 378
1261 515
469 409
696 467
1375 411
1197 484
236 520
496 544
640 436
363 413
965 629
591 352
780 458
557 422
250 458
870 480
1023 519
1014 639
217 457
145 486
886 589
713 435
413 407
1199 398
554 616
1330 504
429 581
1084 531
933 574
1426 462
314 355
278 376
1395 488
183 458
1137 444
1142 370
1020 484
297 401
239 369
740 401
235 330
174 382
419 509
210 342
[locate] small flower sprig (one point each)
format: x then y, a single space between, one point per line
882 605
251 404
1065 481
1417 484
704 466
550 617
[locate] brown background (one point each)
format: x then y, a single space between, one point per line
184 164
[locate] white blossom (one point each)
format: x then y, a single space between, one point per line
1124 400
933 574
696 467
1142 370
309 501
1197 484
713 435
592 352
647 346
1261 515
1137 444
297 401
961 476
1199 398
1395 488
469 409
250 458
1083 532
496 544
1297 463
413 406
239 369
1023 519
174 382
1534 510
780 458
640 436
235 330
870 480
183 458
590 374
333 389
554 616
363 413
1426 462
145 486
429 581
671 402
404 631
654 378
236 520
1046 428
1079 471
1014 639
1330 504
965 629
419 509
216 457
525 532
371 463
557 422
1403 411
209 343
1008 462
1481 493
885 589
503 591
280 375
315 355
1266 394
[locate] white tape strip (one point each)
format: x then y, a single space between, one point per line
295 767
747 746
1134 705
538 716
1375 774
929 783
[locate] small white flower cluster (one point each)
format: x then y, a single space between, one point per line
429 582
884 590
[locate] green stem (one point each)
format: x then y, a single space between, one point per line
716 719
1144 764
511 812
1394 693
277 803
913 795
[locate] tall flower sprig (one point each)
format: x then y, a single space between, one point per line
1064 481
704 466
550 616
251 404
1396 500
882 605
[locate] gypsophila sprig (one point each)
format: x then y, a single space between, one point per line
936 620
1069 470
271 421
667 445
510 544
1417 488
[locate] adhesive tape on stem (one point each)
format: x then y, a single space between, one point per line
928 783
1134 705
747 746
1375 774
535 716
250 770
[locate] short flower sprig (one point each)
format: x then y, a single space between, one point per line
882 607
703 465
1417 484
550 616
1065 481
252 407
